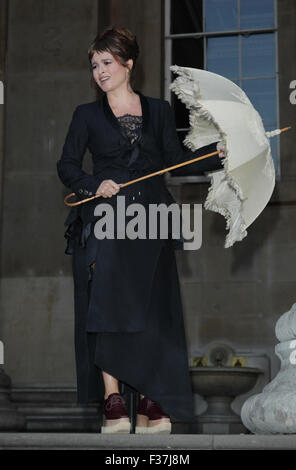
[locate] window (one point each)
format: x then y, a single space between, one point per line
234 38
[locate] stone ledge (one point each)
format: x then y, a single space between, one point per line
98 441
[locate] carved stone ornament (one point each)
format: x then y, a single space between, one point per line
274 409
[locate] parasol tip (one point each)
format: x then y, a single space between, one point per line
277 131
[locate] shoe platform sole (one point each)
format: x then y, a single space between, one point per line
158 427
118 426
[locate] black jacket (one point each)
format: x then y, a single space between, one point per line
94 126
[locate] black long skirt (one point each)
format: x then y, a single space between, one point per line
154 361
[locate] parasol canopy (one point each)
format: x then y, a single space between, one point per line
220 110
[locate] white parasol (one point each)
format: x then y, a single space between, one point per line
219 110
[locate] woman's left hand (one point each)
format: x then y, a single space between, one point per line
221 146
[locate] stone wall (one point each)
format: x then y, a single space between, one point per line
233 295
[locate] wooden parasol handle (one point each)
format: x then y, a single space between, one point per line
122 185
159 172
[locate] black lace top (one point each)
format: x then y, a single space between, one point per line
131 125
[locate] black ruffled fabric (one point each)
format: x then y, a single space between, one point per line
78 233
72 233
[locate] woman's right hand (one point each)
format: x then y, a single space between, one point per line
221 146
108 188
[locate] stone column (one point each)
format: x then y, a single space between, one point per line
3 43
43 52
9 417
274 410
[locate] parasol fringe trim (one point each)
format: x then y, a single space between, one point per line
196 111
188 91
234 221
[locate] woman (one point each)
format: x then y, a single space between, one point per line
128 314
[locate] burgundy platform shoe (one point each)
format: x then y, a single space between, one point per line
151 419
115 418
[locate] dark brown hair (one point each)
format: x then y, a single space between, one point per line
120 42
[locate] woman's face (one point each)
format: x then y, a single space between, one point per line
107 72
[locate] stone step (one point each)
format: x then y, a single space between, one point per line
97 441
